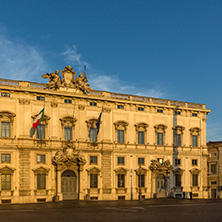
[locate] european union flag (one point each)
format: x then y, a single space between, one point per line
98 123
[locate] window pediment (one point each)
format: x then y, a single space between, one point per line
121 170
68 120
195 171
141 170
7 115
41 170
92 122
160 128
195 131
93 170
178 129
178 170
46 118
7 169
141 126
121 125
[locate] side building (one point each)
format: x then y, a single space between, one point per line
140 147
214 169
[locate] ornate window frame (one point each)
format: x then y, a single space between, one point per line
45 122
195 131
41 170
68 121
141 171
195 171
121 171
160 128
8 170
141 127
94 170
7 116
178 130
121 125
178 171
92 122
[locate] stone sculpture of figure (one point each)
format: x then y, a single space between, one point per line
81 83
54 80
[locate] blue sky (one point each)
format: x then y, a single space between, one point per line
167 49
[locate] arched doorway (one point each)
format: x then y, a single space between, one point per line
161 185
69 185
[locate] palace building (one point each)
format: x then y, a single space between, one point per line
97 145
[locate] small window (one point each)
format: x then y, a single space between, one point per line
213 182
93 159
6 158
195 180
141 161
160 160
177 162
141 180
40 158
120 107
160 139
93 104
4 94
159 110
121 180
120 160
194 114
67 101
194 140
194 162
140 109
41 98
177 112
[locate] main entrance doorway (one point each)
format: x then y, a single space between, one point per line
161 185
69 185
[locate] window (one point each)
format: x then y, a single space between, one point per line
177 139
92 134
6 158
40 131
160 160
178 180
93 180
40 158
213 168
177 112
159 110
68 133
194 114
5 181
159 138
141 180
4 94
93 104
121 180
141 161
177 162
120 160
140 137
5 126
140 109
213 182
41 181
67 101
41 98
194 162
120 136
120 106
194 140
93 159
195 180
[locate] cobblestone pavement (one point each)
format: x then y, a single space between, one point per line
115 211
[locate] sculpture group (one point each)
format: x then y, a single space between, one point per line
68 81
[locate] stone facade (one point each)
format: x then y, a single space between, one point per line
214 169
145 147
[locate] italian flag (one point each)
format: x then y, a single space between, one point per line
38 119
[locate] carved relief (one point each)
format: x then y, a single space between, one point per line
24 101
163 168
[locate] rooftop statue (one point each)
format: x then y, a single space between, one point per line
54 80
69 80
